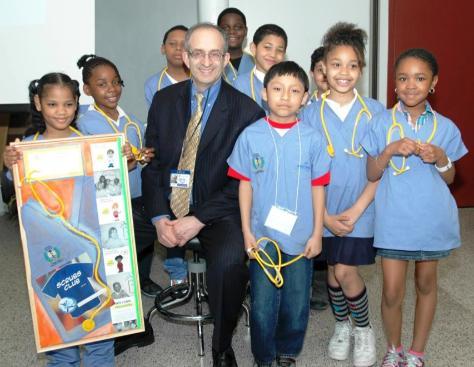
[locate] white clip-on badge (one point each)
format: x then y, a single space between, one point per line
180 178
281 220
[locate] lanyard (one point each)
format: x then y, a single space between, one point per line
135 150
396 125
330 146
278 164
70 128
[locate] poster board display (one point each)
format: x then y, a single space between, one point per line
77 235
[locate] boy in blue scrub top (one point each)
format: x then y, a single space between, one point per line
282 165
317 72
175 70
234 23
412 149
269 48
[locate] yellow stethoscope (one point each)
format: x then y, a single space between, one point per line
70 128
252 87
330 146
89 323
276 279
138 154
396 125
234 70
162 75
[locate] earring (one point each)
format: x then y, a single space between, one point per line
396 91
432 90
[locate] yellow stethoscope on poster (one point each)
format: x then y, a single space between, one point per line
276 279
330 146
89 323
139 156
396 125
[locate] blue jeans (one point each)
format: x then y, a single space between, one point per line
95 354
176 267
279 316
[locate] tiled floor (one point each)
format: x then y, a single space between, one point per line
451 341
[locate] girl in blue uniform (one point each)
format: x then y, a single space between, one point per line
234 23
282 166
343 117
412 149
269 48
54 103
103 83
175 70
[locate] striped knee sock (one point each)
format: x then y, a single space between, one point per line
338 303
359 307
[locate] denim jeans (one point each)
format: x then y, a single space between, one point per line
176 267
95 354
279 316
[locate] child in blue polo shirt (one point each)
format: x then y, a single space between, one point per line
234 24
282 166
269 48
411 150
175 70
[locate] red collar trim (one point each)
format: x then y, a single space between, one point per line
279 125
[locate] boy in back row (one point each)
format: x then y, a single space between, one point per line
269 48
282 165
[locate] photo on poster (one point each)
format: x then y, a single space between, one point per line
105 156
117 261
110 210
72 292
121 285
107 183
114 235
126 325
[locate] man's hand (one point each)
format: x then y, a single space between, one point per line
186 228
165 232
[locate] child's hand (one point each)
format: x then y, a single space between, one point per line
430 153
127 152
11 155
351 216
403 147
338 224
250 244
313 247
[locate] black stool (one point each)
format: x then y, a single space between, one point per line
180 294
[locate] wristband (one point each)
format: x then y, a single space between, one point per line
445 168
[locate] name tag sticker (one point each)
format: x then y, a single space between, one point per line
281 220
180 178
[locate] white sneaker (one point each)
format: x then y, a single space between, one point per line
340 343
364 347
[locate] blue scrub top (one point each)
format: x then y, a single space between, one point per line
348 173
254 157
246 65
415 210
93 123
242 83
153 85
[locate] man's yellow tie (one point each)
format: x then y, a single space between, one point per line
180 197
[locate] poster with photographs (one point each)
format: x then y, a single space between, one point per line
77 236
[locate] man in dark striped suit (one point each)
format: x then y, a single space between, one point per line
211 204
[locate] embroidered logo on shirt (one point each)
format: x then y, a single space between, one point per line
258 162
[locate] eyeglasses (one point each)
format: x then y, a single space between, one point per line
200 55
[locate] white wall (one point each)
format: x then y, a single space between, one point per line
41 36
305 22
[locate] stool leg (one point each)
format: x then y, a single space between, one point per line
246 308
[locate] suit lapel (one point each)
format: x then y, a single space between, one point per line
183 106
216 118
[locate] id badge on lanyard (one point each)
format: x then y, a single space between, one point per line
281 220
